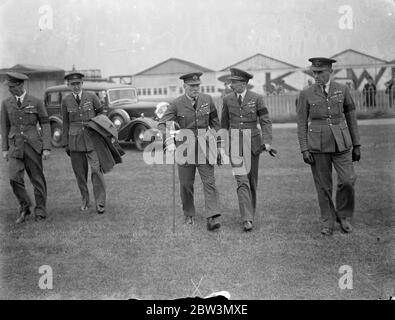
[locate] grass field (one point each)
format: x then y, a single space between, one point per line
131 252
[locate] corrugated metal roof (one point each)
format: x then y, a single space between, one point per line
351 57
260 62
31 68
173 66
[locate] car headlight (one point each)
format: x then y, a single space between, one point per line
161 108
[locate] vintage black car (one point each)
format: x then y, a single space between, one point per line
121 104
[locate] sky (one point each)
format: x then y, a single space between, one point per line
128 36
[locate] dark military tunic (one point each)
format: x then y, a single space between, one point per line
24 142
247 116
327 127
75 119
76 138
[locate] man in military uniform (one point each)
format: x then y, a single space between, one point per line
242 111
24 146
196 112
327 140
77 109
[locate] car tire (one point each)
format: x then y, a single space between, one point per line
56 135
138 137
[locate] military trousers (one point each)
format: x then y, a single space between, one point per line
246 189
186 174
345 194
33 164
79 162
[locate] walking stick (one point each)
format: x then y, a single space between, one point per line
174 191
173 133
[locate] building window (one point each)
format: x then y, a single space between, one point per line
155 91
160 90
181 90
202 89
165 91
212 88
138 92
143 92
148 92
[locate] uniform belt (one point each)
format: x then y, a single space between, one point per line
328 121
23 126
243 125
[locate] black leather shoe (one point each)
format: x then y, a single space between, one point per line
23 213
345 225
189 220
100 209
247 225
327 231
212 224
39 217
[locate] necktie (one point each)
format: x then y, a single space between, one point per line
239 99
18 102
77 98
194 103
324 91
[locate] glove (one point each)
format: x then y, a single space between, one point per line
268 148
273 152
46 154
356 154
171 147
67 151
307 157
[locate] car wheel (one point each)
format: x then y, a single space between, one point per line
118 121
138 137
56 134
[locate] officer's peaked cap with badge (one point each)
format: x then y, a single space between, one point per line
224 78
320 63
74 76
191 78
240 75
15 78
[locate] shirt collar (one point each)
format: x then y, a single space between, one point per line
328 83
22 96
243 94
191 99
79 95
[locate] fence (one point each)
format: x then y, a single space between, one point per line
284 106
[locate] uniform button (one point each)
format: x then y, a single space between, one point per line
329 108
330 116
330 124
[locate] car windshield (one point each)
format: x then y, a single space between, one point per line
122 94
